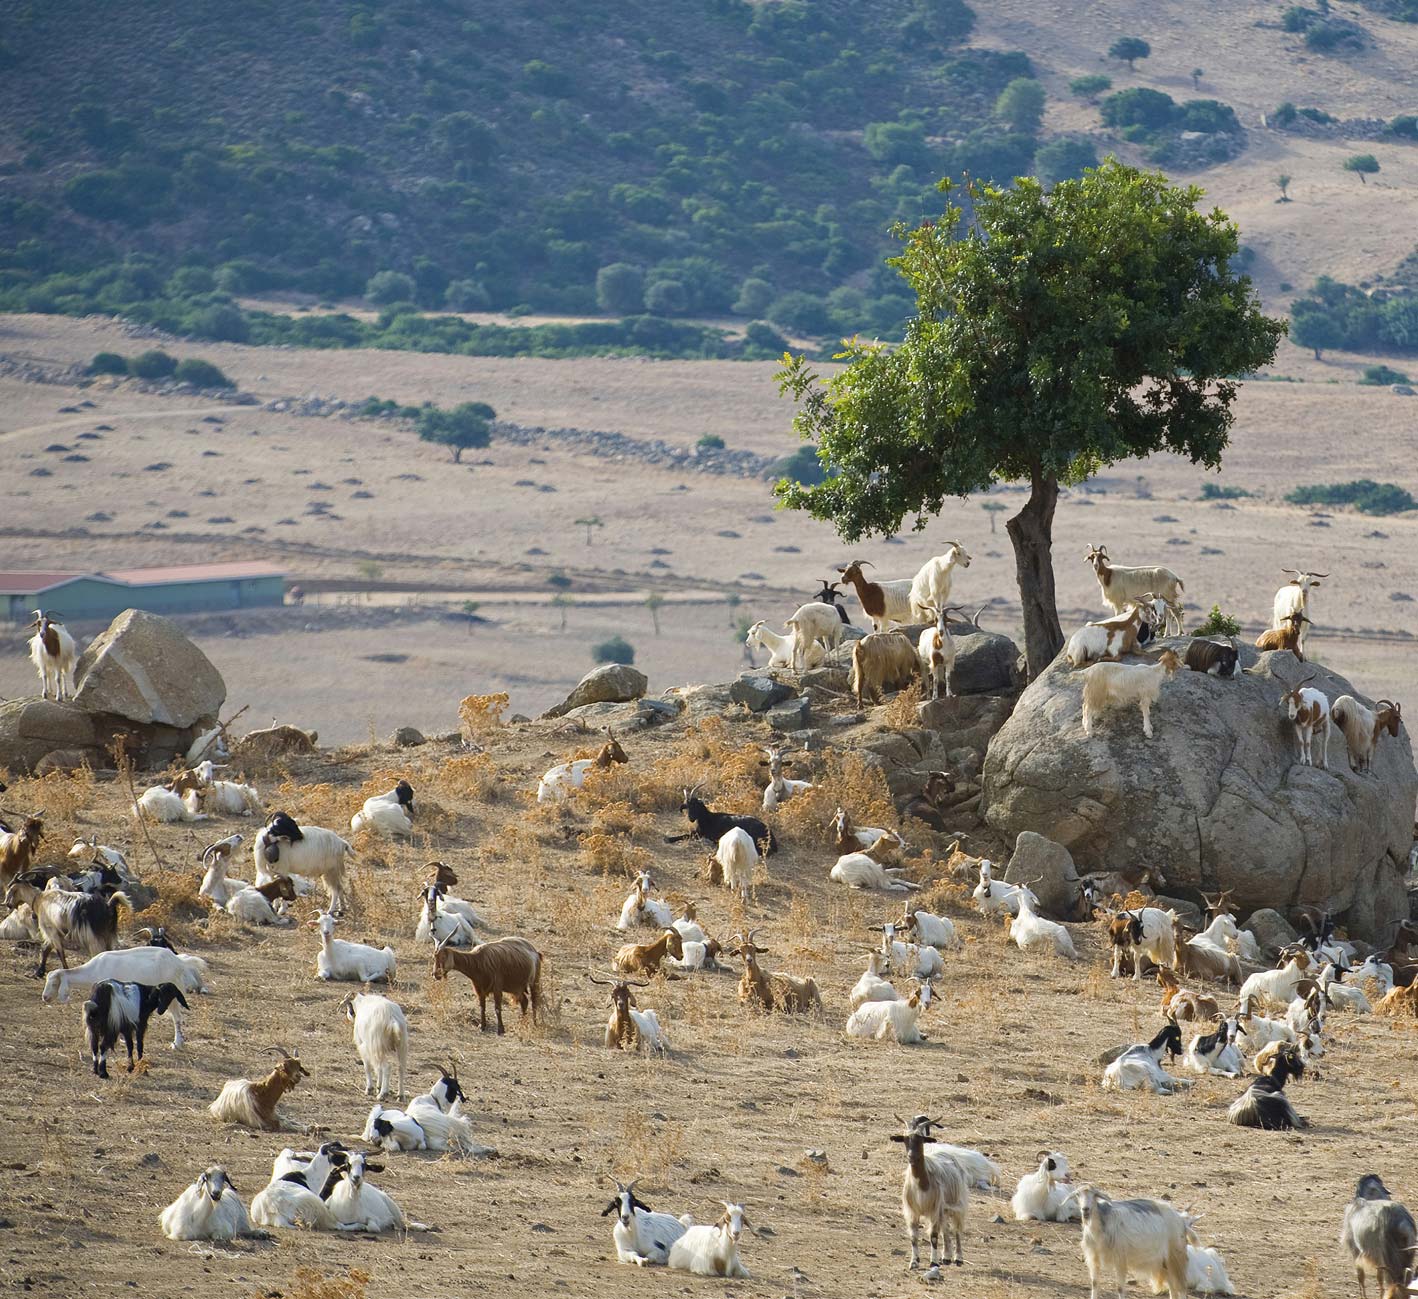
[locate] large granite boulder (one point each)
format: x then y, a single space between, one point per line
986 663
615 683
1218 799
144 669
1048 869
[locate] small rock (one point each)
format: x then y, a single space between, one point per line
541 1228
1271 929
408 737
784 1171
757 691
790 716
151 1160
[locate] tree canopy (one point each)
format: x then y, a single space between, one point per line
464 428
1056 332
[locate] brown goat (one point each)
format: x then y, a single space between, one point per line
1286 637
506 965
929 804
622 1031
18 849
252 1103
645 958
1182 1003
773 990
883 660
882 603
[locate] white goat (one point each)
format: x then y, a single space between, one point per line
871 986
996 898
713 1250
780 648
1276 986
936 649
737 856
1149 933
439 925
1294 597
1118 684
780 788
150 965
1308 710
564 779
813 623
210 745
1362 726
53 653
387 814
1109 639
1146 1238
641 1235
359 1205
1032 933
920 960
1216 1052
859 871
209 1209
1206 1270
307 850
930 588
1122 586
257 906
935 1195
340 961
981 1172
932 930
688 925
1046 1195
393 1130
161 804
292 1197
641 909
1223 930
1379 971
439 1112
881 1020
216 885
1257 1031
381 1037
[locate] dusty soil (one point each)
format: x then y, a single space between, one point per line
1010 1066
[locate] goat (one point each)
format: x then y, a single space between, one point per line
1363 726
381 1037
209 1209
697 955
437 925
829 593
1294 597
1257 1031
1400 957
641 909
1183 1003
211 744
341 961
1264 1104
150 965
1285 637
1031 932
510 966
929 804
565 778
932 930
847 837
641 1235
1340 995
935 1195
1109 684
53 653
628 1026
772 990
307 850
780 648
871 986
712 1250
882 1020
1122 586
1379 971
1216 1052
922 961
390 813
117 1008
439 1114
1276 986
88 921
936 650
1147 1238
253 1103
229 797
736 859
359 1205
1381 1237
712 826
1140 1066
1213 658
882 660
994 897
1309 712
393 1130
166 804
18 848
688 925
812 625
90 850
255 905
1109 639
443 878
930 588
294 1196
1147 932
864 869
780 789
1044 1195
1206 1270
645 958
882 602
216 857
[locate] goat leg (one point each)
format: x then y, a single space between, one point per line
128 1042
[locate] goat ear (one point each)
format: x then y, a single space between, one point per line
896 1136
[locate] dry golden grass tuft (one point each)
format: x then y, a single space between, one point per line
620 817
479 714
57 796
177 902
847 781
647 1151
310 1284
613 855
900 713
470 776
320 804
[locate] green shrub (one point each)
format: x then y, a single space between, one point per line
1365 495
1284 115
803 314
152 365
108 363
1318 115
222 322
763 343
466 427
1129 49
1218 624
1383 375
1405 125
1218 492
466 295
201 374
754 297
389 287
615 650
1364 164
1063 159
802 466
710 442
666 298
894 143
1091 86
1139 106
620 289
1021 105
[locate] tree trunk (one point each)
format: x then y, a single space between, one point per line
1032 533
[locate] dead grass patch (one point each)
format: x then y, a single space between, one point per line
479 714
900 713
470 776
648 1151
57 796
611 854
310 1284
847 781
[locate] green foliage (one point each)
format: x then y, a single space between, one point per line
1323 33
389 287
467 295
620 289
1405 126
1091 86
1380 376
802 468
666 298
615 650
108 363
1139 106
1220 492
1021 105
710 442
464 428
375 406
1284 115
762 342
1218 624
1364 164
201 374
897 143
1365 495
1129 49
152 365
754 297
803 314
1064 159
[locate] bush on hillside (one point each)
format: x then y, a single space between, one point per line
615 650
152 365
754 297
1063 159
201 374
802 313
1091 86
1129 49
1021 105
1218 624
108 363
388 287
620 289
1365 495
802 466
468 426
666 298
1382 376
466 295
1219 492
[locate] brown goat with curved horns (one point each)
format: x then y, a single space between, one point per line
510 966
252 1104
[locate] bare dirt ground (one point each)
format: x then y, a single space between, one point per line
1009 1065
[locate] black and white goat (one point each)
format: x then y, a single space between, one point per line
86 920
712 826
641 1235
1216 1052
1264 1104
1140 1066
123 1009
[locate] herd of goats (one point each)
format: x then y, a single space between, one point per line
1278 1017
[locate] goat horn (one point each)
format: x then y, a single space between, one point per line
285 1055
1319 574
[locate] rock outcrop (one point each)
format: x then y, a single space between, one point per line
143 668
1218 798
614 683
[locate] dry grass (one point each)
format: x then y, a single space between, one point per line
611 854
479 714
900 713
470 777
847 781
310 1284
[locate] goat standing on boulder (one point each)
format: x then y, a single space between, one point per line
53 653
1122 586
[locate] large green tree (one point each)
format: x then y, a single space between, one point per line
1055 333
